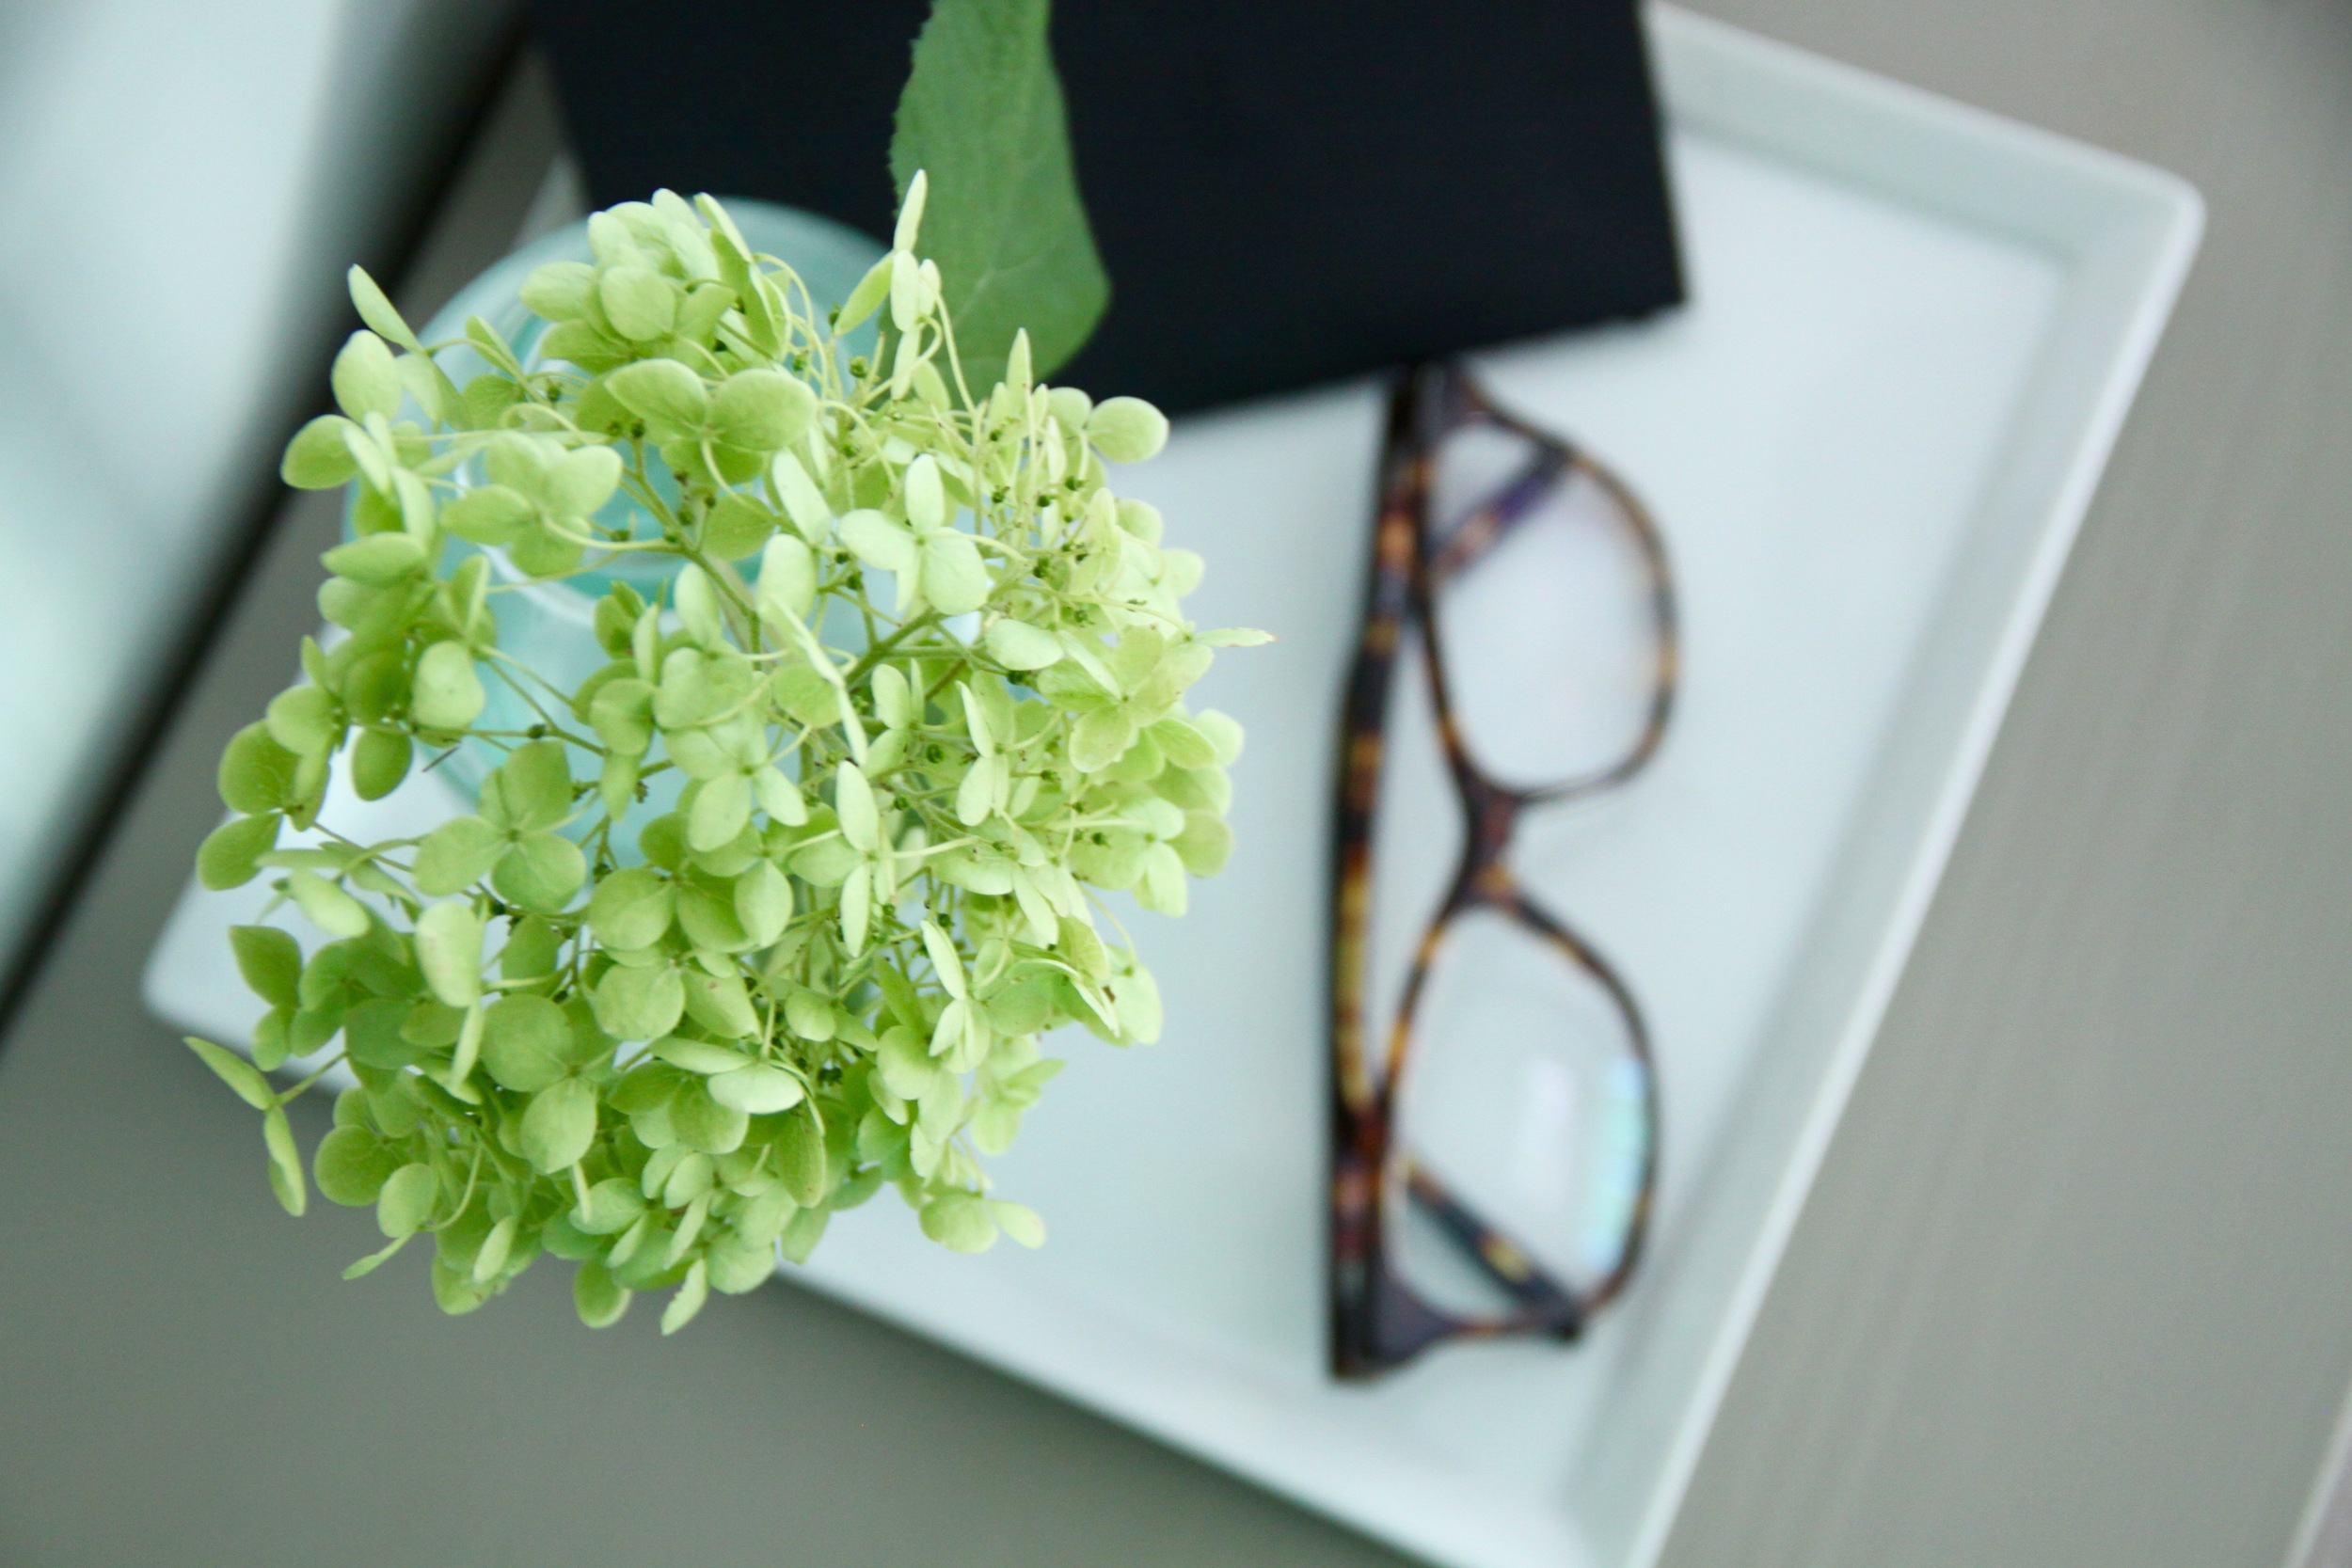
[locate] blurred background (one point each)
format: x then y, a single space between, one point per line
2074 1285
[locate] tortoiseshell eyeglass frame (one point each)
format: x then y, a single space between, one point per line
1378 1320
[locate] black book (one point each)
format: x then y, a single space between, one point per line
1284 192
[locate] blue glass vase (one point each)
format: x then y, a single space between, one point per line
548 626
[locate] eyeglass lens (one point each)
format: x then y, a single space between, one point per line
1523 1093
1544 605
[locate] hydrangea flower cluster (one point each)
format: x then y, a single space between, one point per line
771 909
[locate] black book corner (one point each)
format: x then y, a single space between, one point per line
1283 193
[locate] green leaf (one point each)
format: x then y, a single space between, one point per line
448 695
469 1050
375 686
582 481
954 577
1018 645
879 542
531 951
329 907
757 1090
448 951
1223 732
526 1043
1127 430
560 1125
1099 738
432 388
853 798
803 503
1136 996
808 696
379 761
812 1016
622 715
800 1158
700 1056
631 908
613 1205
638 1003
456 855
542 873
454 1290
762 410
737 525
1018 1221
318 458
486 399
272 1038
698 607
763 902
704 1124
376 1033
639 302
870 292
665 394
1162 885
536 785
559 290
722 1003
907 1068
688 1300
235 1071
787 578
982 115
230 853
696 689
1205 843
739 1265
488 515
377 310
497 1247
256 774
270 961
373 1260
598 1298
285 1162
365 379
305 719
960 1222
352 1166
780 797
857 907
721 808
408 1202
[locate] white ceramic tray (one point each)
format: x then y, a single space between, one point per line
1870 439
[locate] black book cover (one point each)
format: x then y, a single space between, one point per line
1284 191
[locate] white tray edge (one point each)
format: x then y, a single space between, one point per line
2161 220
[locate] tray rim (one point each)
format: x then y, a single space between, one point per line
2150 227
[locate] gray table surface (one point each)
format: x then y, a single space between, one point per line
2075 1287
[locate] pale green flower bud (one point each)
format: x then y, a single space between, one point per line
1127 430
1070 407
365 379
927 501
911 212
906 291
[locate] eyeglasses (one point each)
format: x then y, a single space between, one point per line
1493 1163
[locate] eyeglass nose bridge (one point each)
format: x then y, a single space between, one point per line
1491 819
